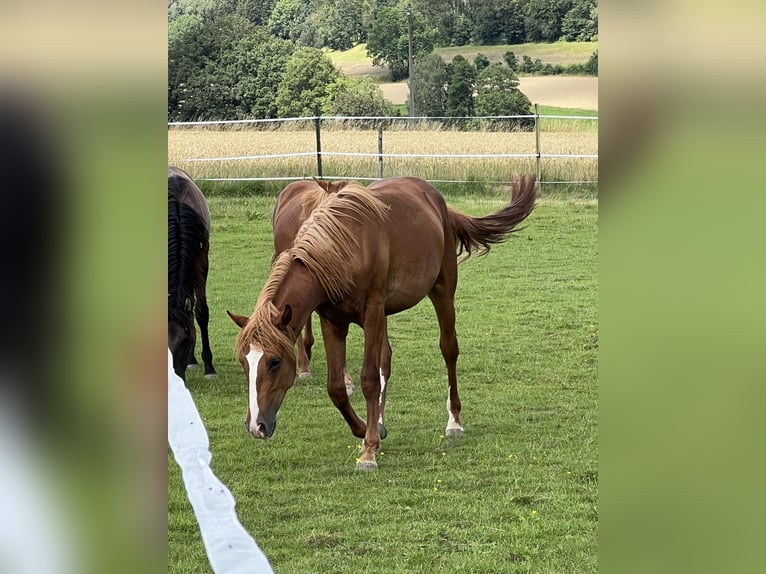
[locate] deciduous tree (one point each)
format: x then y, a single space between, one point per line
306 83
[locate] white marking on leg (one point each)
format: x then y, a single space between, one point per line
382 396
453 427
253 360
348 381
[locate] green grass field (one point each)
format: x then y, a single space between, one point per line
517 493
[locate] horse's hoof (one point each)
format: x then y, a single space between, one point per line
211 376
366 465
454 432
382 431
304 375
192 366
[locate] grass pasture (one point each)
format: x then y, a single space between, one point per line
517 493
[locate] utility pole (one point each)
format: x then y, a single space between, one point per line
409 79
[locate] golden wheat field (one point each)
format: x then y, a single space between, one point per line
430 144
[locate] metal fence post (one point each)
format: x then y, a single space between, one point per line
537 145
380 152
317 129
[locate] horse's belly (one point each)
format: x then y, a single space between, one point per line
408 287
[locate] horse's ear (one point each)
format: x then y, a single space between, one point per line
287 314
240 320
325 185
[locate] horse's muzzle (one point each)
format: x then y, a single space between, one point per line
260 429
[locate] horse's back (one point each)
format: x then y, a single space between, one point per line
416 238
182 187
417 211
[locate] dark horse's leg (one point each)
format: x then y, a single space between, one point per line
305 342
442 297
203 314
334 336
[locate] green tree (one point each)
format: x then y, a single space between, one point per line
498 94
460 91
580 24
306 83
543 19
591 66
183 15
480 62
256 11
526 64
254 68
339 23
510 59
356 97
430 80
198 87
288 18
388 43
496 22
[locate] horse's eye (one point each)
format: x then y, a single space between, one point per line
274 364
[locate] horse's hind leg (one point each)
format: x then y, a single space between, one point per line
305 342
385 375
202 314
443 302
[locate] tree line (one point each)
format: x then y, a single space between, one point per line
232 59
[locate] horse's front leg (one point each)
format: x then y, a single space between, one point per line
374 339
334 336
203 315
305 342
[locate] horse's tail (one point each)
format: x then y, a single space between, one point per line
186 237
480 233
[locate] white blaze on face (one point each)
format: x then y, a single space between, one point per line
382 395
253 360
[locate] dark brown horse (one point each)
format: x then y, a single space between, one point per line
294 205
362 255
188 246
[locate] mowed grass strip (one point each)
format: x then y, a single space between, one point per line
517 493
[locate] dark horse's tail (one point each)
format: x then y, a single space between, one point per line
186 234
480 233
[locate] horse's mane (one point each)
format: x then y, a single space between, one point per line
325 244
186 232
313 198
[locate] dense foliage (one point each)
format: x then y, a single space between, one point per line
229 58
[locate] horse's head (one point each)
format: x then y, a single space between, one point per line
181 336
270 372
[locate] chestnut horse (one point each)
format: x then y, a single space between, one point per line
362 255
294 204
188 246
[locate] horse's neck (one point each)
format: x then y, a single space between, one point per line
302 292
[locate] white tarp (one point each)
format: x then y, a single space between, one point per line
230 549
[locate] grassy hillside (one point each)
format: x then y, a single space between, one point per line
356 62
563 53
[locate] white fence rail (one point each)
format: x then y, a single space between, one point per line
410 123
